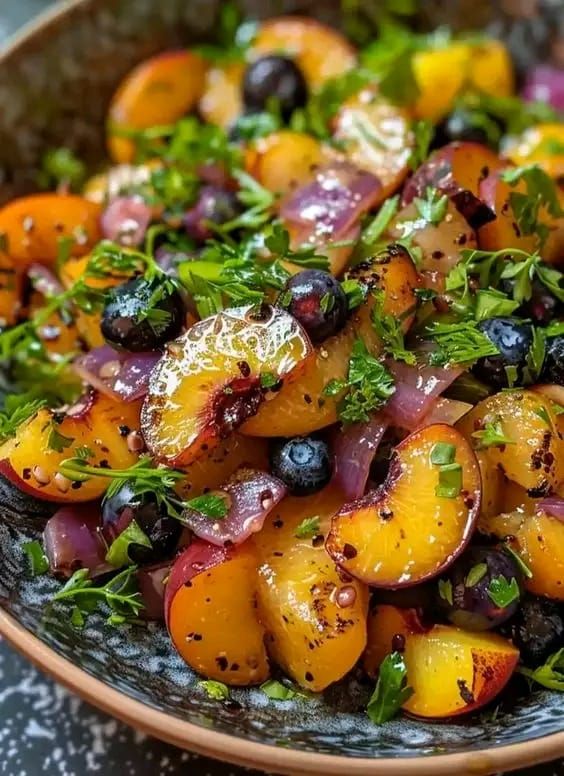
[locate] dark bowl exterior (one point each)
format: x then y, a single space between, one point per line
55 83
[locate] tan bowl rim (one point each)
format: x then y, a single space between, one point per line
219 745
255 755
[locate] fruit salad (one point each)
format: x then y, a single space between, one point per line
286 375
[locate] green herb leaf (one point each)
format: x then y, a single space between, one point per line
519 561
535 358
491 436
549 675
217 691
335 387
38 562
433 208
459 343
475 574
541 194
445 590
308 528
210 505
443 453
493 304
118 552
502 592
277 691
423 132
374 230
450 480
391 690
11 418
370 385
389 328
354 291
57 441
61 166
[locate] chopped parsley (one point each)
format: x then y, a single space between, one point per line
277 691
15 414
61 167
450 480
502 592
118 551
443 453
217 691
475 574
38 561
445 590
389 328
211 505
550 674
57 441
491 435
490 303
433 208
369 384
459 343
519 561
391 690
423 133
541 194
308 528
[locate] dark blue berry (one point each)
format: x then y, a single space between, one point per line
303 464
142 316
537 629
274 78
164 531
553 367
464 124
513 339
315 298
214 206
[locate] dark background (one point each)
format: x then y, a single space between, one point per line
46 730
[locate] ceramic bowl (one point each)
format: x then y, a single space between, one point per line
55 82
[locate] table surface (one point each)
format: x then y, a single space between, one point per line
46 730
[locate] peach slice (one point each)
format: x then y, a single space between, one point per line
320 51
33 227
542 145
440 75
441 244
451 671
456 170
284 160
535 460
11 291
376 136
315 618
302 407
505 232
31 459
158 91
212 378
222 101
210 612
408 530
491 69
216 467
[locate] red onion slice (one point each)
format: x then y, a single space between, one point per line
72 541
447 411
151 582
251 497
545 83
125 221
121 376
416 391
354 449
553 506
326 209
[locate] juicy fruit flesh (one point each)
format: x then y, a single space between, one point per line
208 381
213 624
452 672
403 532
309 634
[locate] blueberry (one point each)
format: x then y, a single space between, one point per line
152 518
274 78
303 464
553 367
537 629
136 319
465 124
467 600
214 205
315 298
513 340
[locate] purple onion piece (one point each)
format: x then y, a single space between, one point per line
553 506
151 582
251 496
44 281
73 540
417 389
121 376
125 221
354 449
545 83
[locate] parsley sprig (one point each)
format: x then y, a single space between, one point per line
14 414
459 343
492 435
550 674
540 195
391 690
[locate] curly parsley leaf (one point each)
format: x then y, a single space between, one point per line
391 690
38 561
433 207
502 592
369 384
491 435
11 418
118 551
541 195
210 505
217 691
459 343
550 674
389 329
308 528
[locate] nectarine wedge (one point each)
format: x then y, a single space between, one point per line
33 227
302 406
211 615
315 618
284 160
216 375
450 671
535 459
158 91
31 459
222 96
376 136
419 520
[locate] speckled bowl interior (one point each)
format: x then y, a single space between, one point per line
55 83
